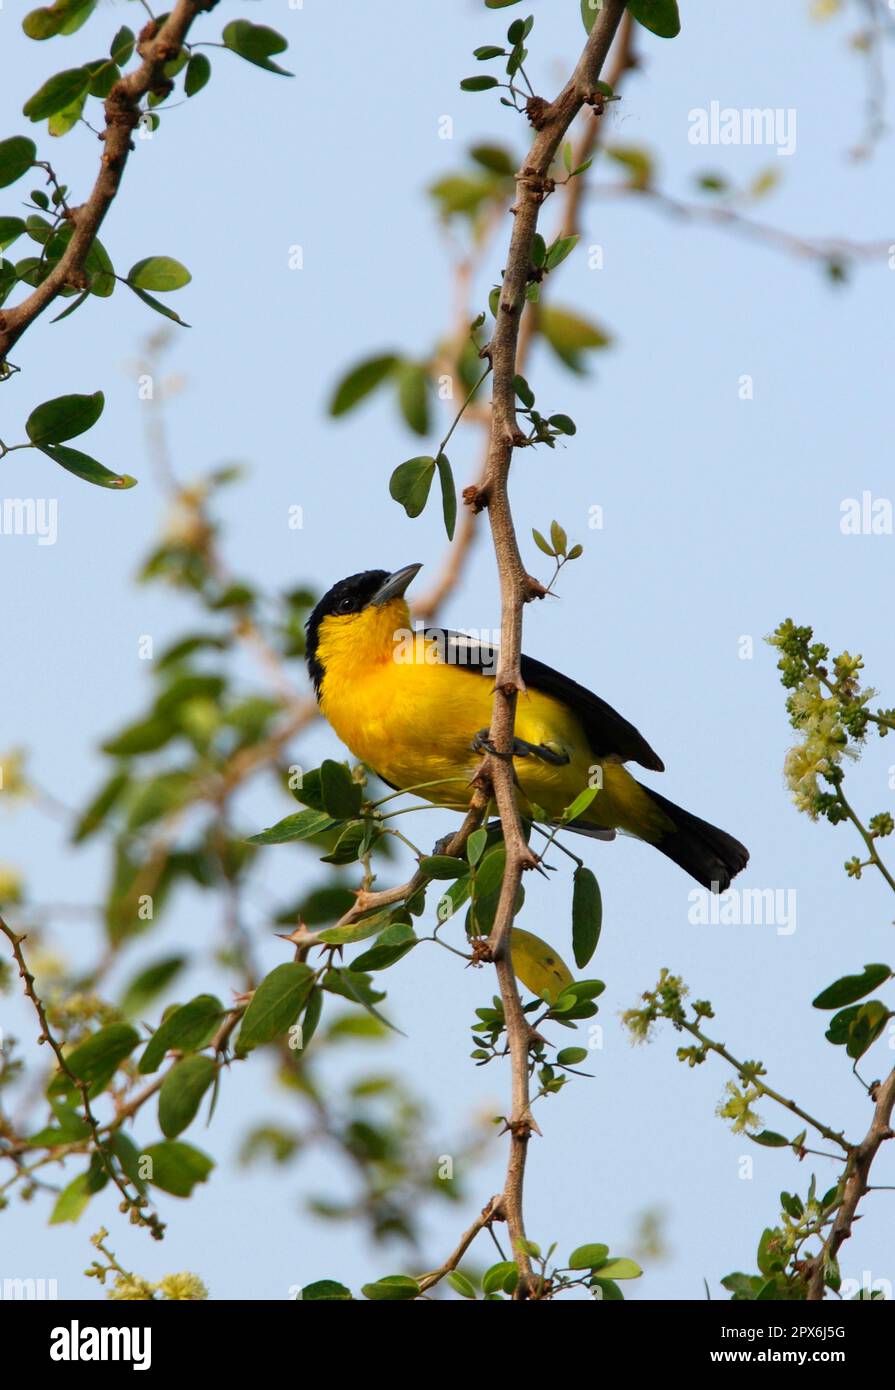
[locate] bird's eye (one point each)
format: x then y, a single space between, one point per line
345 605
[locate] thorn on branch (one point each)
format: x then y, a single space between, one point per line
537 110
482 952
475 497
533 589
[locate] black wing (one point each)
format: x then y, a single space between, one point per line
607 732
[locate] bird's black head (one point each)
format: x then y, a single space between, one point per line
348 598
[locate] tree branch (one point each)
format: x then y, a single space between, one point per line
489 1213
157 45
133 1205
624 58
516 588
855 1184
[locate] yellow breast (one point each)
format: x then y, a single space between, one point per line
411 715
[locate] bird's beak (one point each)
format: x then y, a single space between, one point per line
396 584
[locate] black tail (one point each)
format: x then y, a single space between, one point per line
708 854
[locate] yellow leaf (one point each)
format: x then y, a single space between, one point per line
539 967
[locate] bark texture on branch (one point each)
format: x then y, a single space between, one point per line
551 121
156 46
856 1184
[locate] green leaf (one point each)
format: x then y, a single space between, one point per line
851 987
587 916
72 1200
360 381
181 1094
186 1028
465 1287
75 304
394 1288
661 17
569 335
198 72
354 840
340 794
413 396
121 49
494 158
524 391
300 826
63 417
157 305
620 1269
100 270
105 75
17 154
589 11
558 538
486 51
538 966
443 866
357 931
11 228
578 807
454 898
275 1005
475 845
562 247
840 1025
792 1205
61 122
71 1126
98 1057
410 484
769 1139
148 983
486 888
588 1256
448 494
83 466
500 1278
255 43
610 1291
394 943
56 93
571 1056
327 1289
481 83
564 423
543 544
160 273
866 1027
177 1167
62 17
637 161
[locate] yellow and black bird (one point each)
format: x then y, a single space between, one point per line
416 708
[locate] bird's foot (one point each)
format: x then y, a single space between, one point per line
545 752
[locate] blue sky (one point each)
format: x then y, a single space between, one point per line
721 518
